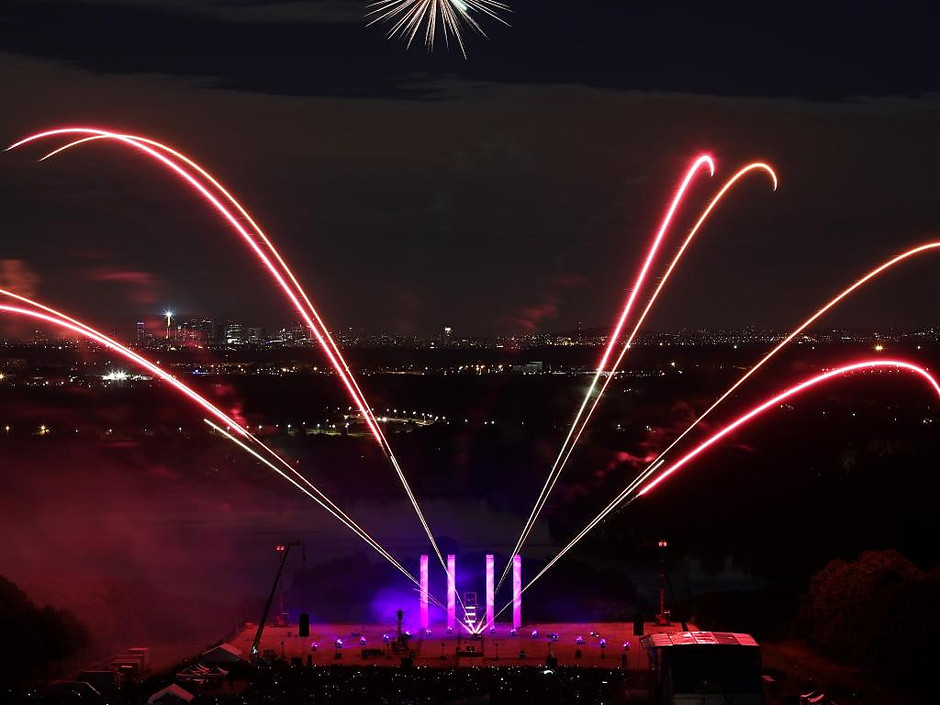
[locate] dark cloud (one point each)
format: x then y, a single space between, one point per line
16 276
328 11
140 288
324 48
412 215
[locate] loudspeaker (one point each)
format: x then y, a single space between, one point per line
303 628
638 625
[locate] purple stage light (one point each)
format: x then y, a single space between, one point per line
451 593
490 585
423 587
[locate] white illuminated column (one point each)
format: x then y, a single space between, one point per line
423 579
517 591
490 601
451 593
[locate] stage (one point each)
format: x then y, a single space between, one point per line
364 644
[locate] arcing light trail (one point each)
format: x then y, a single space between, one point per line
49 315
660 460
361 533
845 370
913 252
755 166
258 241
582 419
277 267
701 162
868 365
409 16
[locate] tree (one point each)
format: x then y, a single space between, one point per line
34 638
879 611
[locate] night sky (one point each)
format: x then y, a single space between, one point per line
512 191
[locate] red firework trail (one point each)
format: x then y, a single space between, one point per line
582 419
695 228
874 273
49 315
755 166
295 294
782 397
865 365
655 465
702 161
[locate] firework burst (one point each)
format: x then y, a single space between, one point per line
449 18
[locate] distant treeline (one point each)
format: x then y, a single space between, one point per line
34 639
878 611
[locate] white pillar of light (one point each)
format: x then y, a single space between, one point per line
451 593
490 592
423 592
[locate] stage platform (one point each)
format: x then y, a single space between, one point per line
363 644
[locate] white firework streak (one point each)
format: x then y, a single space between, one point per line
407 18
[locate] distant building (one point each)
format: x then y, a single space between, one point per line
299 333
212 330
104 681
192 331
235 334
223 653
141 332
678 661
171 695
78 691
256 336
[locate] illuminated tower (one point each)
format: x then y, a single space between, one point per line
423 594
490 601
517 591
451 593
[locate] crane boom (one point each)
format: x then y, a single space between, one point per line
256 644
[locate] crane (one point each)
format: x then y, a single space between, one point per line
256 644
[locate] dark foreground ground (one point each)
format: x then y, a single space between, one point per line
317 670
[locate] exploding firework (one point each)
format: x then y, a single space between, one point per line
409 18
